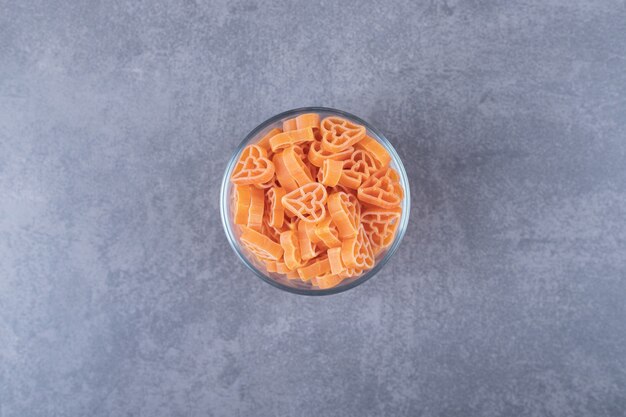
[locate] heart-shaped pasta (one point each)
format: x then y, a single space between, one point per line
307 202
253 167
358 168
382 189
339 133
315 200
357 252
380 226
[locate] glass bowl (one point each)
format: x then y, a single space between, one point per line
277 280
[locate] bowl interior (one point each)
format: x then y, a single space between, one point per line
278 280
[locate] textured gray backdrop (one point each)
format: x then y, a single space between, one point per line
120 296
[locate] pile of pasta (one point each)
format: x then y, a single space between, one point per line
316 200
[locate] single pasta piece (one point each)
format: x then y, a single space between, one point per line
317 268
289 124
380 226
242 203
295 167
308 249
257 208
382 189
299 150
366 253
334 257
339 133
291 249
330 173
357 252
285 180
253 167
312 169
311 120
260 245
275 207
307 202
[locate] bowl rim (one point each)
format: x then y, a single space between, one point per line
403 222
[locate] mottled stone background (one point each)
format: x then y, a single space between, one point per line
119 294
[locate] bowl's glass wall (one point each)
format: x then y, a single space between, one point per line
232 231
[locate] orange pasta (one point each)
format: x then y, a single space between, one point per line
267 185
327 280
350 272
308 249
382 189
366 253
309 228
357 251
317 154
311 120
314 269
292 274
307 202
242 204
264 143
295 167
327 233
270 266
270 231
344 214
358 168
299 150
339 133
289 124
334 257
275 206
257 207
253 167
291 249
376 149
285 180
380 226
260 245
289 223
281 268
293 137
330 173
298 197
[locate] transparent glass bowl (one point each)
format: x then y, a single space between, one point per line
277 280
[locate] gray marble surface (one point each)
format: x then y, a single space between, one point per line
119 295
